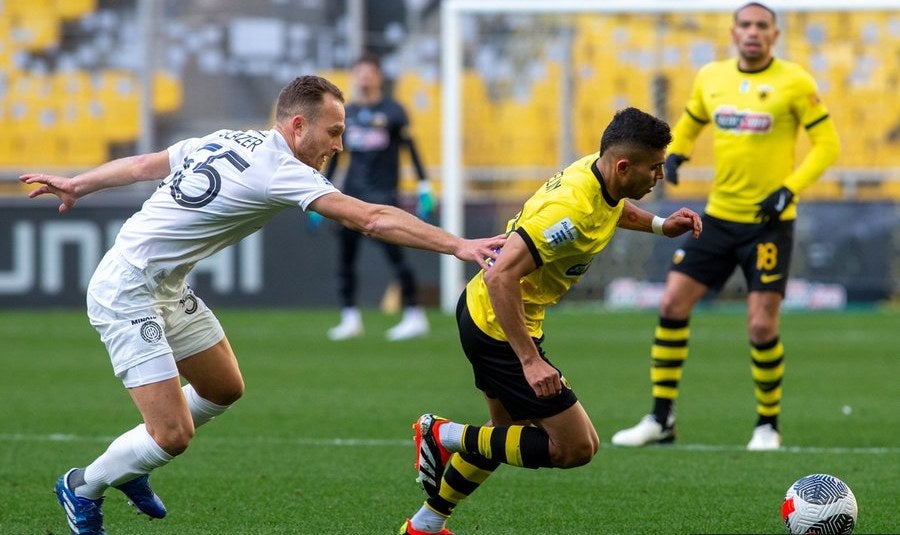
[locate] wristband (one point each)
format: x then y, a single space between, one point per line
657 225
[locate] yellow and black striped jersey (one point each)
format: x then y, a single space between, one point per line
756 116
565 223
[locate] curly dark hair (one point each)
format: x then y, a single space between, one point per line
634 128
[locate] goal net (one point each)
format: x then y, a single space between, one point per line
527 87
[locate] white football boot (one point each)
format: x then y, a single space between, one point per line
413 325
351 325
765 438
647 431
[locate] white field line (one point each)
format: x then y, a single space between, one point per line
406 443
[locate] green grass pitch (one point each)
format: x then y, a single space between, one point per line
321 442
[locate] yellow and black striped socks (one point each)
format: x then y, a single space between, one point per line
518 445
669 351
464 474
767 366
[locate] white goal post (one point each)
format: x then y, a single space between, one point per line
451 53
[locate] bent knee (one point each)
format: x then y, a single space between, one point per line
226 394
671 307
761 332
174 440
574 455
230 395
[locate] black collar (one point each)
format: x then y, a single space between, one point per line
606 197
761 69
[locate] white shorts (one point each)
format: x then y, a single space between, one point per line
144 335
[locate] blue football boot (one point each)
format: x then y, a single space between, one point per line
142 497
83 514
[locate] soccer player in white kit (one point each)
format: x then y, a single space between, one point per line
215 190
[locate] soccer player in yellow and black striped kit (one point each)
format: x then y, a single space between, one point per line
535 418
756 105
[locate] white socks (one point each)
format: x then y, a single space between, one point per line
135 453
202 410
427 520
131 455
351 315
451 434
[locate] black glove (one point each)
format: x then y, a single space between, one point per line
771 207
670 168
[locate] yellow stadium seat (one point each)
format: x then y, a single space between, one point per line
7 150
30 103
72 86
33 148
74 9
422 102
85 150
36 29
891 189
168 93
15 8
119 97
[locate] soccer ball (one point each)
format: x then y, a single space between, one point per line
819 504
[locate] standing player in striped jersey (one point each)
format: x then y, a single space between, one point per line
535 419
215 190
756 104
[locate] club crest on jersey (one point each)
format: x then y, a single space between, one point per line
742 121
764 91
561 233
678 256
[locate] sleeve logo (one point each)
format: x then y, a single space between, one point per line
561 233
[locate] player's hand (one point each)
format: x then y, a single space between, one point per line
670 167
482 251
543 378
681 221
61 186
313 220
771 208
425 206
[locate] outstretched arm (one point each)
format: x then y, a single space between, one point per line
680 221
394 225
120 172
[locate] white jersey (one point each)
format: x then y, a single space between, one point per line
223 187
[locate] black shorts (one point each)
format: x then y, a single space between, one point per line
498 372
763 251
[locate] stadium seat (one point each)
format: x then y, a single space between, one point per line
119 97
168 93
74 9
36 29
422 100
